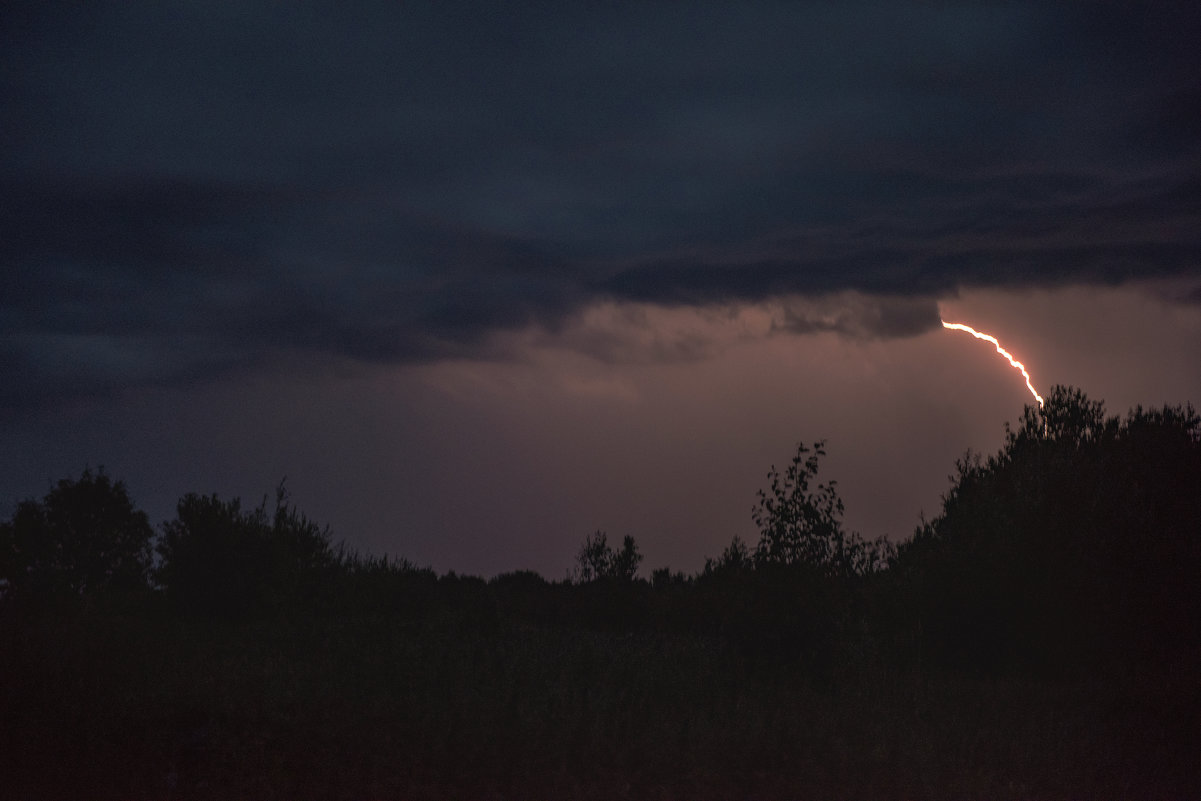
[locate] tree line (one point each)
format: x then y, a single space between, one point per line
1077 544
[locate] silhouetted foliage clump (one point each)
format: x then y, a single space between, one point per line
597 560
219 559
84 542
735 558
379 585
1078 543
800 522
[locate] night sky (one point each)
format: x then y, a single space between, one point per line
480 280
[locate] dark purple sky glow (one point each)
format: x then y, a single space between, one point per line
480 282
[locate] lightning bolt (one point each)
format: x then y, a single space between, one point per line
1008 356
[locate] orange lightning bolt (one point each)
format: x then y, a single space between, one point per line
1000 350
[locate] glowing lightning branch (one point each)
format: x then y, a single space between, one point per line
1000 350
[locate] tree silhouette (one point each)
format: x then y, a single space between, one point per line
598 560
1079 542
800 522
84 540
217 558
736 557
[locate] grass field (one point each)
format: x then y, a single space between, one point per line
388 706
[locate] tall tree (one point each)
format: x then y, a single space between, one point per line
83 541
800 521
1079 541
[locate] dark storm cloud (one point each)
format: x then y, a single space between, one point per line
1047 230
192 188
142 282
864 317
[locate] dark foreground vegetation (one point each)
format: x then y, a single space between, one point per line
1040 638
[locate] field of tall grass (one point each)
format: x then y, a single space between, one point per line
388 706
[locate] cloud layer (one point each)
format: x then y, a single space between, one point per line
190 190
